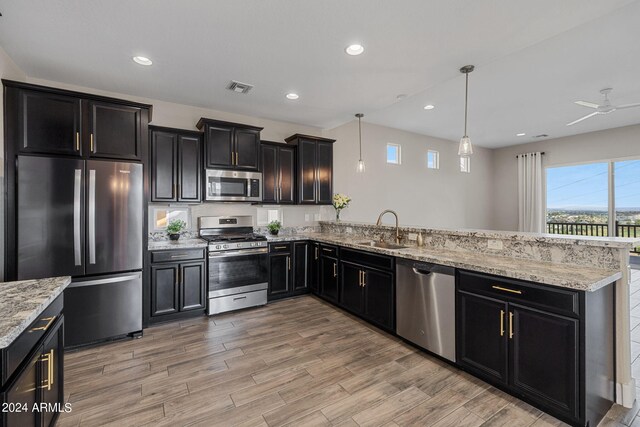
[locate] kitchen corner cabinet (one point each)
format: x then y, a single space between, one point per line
178 283
230 145
176 164
278 173
552 347
33 372
288 269
314 175
367 286
59 122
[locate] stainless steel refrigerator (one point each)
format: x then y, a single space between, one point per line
83 218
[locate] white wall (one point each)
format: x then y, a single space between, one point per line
608 144
421 196
8 70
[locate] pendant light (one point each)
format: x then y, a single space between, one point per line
465 149
360 161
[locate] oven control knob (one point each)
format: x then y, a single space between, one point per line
239 245
225 246
217 246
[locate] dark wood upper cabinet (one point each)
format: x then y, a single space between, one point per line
49 123
114 130
176 160
45 120
278 173
230 145
314 174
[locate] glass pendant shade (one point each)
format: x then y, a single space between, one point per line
465 148
360 166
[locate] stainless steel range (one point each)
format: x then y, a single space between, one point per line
238 269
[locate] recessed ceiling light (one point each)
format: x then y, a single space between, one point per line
429 107
142 60
354 49
292 96
520 134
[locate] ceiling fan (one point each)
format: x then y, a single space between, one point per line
604 108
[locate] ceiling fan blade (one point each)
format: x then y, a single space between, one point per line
582 118
622 107
587 104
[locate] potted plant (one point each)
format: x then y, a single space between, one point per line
174 228
340 201
274 227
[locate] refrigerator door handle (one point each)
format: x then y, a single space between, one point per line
77 183
92 216
104 281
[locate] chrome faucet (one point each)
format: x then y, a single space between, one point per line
379 222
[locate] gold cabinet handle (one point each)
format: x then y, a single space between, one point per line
48 358
364 279
501 323
335 269
237 158
360 278
510 325
327 250
316 252
279 247
91 143
513 291
177 276
289 262
77 141
45 327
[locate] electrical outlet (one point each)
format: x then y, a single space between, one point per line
413 236
316 217
307 217
495 244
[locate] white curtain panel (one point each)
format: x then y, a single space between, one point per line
530 202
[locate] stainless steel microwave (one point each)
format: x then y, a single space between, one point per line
233 186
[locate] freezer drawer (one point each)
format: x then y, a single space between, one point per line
425 306
101 308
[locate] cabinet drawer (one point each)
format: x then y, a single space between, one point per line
367 258
173 256
279 247
328 250
24 344
558 300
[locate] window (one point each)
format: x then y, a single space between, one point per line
465 164
266 215
160 217
579 203
433 159
393 154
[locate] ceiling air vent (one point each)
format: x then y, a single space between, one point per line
239 87
542 135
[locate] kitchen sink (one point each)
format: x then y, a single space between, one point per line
381 245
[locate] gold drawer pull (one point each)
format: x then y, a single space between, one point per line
45 327
335 270
501 323
279 247
327 250
180 256
513 291
48 357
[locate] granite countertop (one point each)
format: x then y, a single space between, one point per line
612 242
22 302
562 275
176 244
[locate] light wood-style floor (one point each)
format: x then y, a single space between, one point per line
298 362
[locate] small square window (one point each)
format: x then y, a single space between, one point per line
393 154
465 164
433 159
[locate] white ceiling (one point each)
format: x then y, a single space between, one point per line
533 58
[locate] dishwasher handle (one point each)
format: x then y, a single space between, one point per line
426 268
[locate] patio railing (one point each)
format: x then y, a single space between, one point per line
589 229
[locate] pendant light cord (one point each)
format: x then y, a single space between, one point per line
466 102
360 137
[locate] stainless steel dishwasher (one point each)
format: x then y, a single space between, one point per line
426 307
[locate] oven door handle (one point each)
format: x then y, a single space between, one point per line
228 254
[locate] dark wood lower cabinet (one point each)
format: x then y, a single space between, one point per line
379 297
552 348
351 290
279 275
34 392
177 288
329 277
290 269
300 265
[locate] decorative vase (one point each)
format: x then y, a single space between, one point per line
337 215
274 232
174 236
